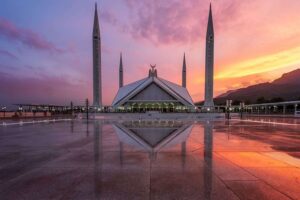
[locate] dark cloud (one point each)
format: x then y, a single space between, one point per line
26 37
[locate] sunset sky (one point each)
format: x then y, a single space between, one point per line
46 46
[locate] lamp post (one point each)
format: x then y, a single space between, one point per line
3 109
71 107
242 105
87 108
228 108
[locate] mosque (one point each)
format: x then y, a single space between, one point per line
153 93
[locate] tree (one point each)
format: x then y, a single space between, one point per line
236 102
261 100
276 99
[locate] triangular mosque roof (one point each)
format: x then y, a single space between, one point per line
182 91
175 90
127 89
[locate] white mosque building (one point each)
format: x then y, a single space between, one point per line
153 93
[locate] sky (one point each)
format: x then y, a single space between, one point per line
46 46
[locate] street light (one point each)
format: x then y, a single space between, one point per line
3 109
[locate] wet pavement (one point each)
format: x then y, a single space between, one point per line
76 159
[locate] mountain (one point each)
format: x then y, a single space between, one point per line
285 88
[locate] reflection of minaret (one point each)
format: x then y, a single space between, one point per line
87 128
183 154
97 85
121 72
72 126
184 72
209 64
121 153
97 157
208 158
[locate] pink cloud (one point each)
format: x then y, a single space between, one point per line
167 22
26 37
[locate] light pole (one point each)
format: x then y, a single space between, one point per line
242 105
87 108
71 107
3 109
228 108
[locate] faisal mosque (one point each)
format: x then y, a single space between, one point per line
154 93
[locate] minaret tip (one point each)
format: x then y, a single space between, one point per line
184 71
210 28
121 79
184 62
121 62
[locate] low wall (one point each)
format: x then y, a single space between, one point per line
7 115
153 115
274 115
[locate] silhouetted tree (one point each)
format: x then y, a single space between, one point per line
276 99
236 102
261 100
247 102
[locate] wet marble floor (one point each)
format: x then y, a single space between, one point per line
241 159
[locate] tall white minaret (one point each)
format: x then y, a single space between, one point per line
121 72
97 82
184 72
209 64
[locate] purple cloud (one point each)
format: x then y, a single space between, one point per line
26 37
7 54
45 89
108 17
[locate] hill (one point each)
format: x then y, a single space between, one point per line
285 88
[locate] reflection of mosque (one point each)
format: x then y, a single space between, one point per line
152 137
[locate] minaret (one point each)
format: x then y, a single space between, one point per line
184 72
97 85
121 72
209 64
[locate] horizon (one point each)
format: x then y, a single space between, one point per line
46 49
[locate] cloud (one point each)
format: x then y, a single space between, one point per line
225 84
26 37
176 21
109 17
8 54
266 63
44 89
